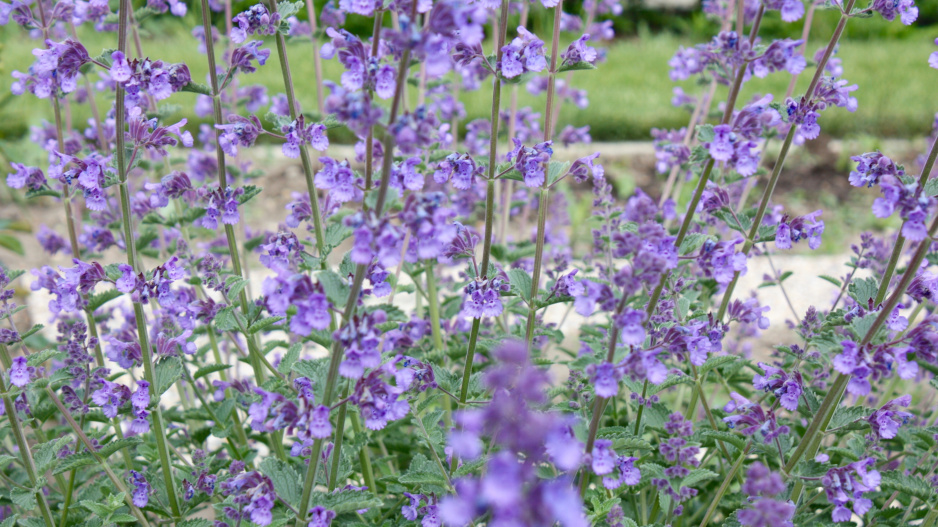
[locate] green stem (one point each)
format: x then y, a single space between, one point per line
545 190
782 155
338 437
900 239
25 453
489 191
725 485
352 301
436 457
708 167
930 518
434 304
364 458
304 153
140 318
118 484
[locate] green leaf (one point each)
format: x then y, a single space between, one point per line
672 380
119 444
10 521
74 461
347 501
422 471
23 498
97 300
521 281
234 285
931 187
99 509
698 475
44 455
715 362
337 289
43 192
845 415
123 517
8 241
576 66
228 319
556 170
705 133
195 87
286 480
36 359
830 279
912 486
263 324
211 368
863 290
726 437
167 372
692 242
288 360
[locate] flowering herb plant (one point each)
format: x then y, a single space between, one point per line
388 363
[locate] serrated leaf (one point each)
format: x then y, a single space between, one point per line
337 289
692 242
44 455
830 279
36 359
234 285
705 133
97 300
166 373
263 324
912 486
286 480
422 471
521 281
195 87
23 498
726 437
715 362
228 318
74 461
346 501
863 290
845 415
576 66
10 521
211 368
118 444
288 360
99 509
122 517
556 170
698 475
672 380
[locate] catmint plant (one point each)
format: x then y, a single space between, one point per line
393 346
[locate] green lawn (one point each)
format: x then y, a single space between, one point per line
629 94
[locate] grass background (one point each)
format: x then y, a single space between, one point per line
629 94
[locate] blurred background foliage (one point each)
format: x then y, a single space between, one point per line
629 94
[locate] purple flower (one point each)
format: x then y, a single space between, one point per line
242 131
339 180
375 240
890 8
524 54
531 162
20 373
461 168
578 51
781 55
256 20
142 489
792 10
628 473
483 298
604 457
241 57
320 517
787 388
794 230
24 176
287 289
605 377
298 133
253 491
848 484
886 421
933 58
